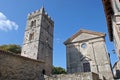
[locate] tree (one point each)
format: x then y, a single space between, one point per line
11 48
59 70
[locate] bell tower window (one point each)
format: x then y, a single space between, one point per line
33 23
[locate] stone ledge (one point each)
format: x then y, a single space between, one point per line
2 52
75 76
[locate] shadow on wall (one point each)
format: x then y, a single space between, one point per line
77 62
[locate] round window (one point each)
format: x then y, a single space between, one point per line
84 45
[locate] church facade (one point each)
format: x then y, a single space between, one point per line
86 52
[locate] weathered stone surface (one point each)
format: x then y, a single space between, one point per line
86 52
38 39
75 76
15 67
113 23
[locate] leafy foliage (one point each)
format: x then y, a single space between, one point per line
11 48
59 70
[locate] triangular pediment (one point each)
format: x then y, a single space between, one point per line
85 59
84 35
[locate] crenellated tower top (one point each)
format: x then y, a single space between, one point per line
38 12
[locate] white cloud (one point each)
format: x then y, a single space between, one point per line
58 40
6 24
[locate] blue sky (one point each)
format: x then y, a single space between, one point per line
69 17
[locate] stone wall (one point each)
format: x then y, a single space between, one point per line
86 52
76 76
15 67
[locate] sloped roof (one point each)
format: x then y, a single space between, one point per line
108 12
83 31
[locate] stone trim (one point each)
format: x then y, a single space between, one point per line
84 31
83 41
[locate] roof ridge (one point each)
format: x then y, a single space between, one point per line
84 31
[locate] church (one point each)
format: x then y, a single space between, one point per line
87 55
86 52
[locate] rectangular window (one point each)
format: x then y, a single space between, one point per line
33 23
86 67
31 36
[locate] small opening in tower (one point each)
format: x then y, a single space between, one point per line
33 23
31 37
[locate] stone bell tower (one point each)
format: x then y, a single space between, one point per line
38 38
